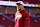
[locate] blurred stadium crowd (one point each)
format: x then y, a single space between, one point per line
9 14
26 1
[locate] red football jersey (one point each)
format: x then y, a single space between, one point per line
22 19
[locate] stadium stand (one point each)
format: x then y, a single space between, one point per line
7 22
34 22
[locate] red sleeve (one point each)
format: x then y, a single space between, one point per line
26 18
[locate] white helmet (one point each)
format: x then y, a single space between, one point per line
20 2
